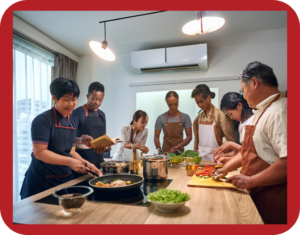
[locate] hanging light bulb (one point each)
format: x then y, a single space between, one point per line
102 50
203 24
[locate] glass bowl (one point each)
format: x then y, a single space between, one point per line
72 198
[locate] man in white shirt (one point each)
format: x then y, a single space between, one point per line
263 156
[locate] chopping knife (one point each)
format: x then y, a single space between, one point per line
93 173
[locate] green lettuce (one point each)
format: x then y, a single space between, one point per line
168 196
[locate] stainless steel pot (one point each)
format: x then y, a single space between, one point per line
116 167
155 169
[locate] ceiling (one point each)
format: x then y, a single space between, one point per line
74 29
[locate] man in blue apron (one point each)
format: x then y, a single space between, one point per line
91 124
53 136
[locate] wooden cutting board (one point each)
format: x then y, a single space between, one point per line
211 183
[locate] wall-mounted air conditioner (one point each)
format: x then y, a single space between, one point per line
184 58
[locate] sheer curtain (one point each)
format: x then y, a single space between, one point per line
31 96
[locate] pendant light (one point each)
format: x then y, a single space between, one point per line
102 50
203 24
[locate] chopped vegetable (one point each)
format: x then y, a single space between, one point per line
200 176
168 196
206 177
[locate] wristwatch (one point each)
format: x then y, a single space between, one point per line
158 148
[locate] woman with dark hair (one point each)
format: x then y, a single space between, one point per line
236 107
134 136
173 122
211 125
53 134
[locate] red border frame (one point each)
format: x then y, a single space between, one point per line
238 5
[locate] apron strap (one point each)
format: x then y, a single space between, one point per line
56 120
85 109
276 98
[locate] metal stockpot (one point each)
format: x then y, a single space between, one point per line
116 167
155 169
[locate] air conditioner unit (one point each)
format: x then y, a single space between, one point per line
172 59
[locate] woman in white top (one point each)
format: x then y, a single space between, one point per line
236 107
134 136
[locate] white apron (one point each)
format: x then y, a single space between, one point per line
207 139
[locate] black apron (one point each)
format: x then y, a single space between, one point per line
94 127
41 176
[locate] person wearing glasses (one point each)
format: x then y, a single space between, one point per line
236 107
263 156
211 125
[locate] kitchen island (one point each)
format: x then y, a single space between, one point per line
206 206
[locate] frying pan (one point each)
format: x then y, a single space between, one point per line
138 180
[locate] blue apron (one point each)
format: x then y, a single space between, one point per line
41 176
94 127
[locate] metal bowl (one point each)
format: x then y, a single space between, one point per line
138 180
116 167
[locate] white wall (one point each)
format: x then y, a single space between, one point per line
120 99
28 30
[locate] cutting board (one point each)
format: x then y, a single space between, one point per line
211 183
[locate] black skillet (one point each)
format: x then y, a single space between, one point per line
138 180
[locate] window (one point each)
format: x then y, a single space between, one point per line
31 96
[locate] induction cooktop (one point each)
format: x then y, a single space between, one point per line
135 197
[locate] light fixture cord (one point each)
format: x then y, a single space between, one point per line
104 31
201 21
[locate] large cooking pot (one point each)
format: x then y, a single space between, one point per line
138 180
116 167
155 169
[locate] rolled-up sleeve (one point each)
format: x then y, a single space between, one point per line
277 133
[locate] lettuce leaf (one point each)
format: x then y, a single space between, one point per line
168 196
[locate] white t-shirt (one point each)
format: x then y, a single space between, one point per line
242 127
270 135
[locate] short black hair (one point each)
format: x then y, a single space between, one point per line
97 86
61 86
203 90
171 93
262 72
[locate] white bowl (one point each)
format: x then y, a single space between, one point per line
168 207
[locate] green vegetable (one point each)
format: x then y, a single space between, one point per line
176 159
197 160
190 153
206 177
178 152
168 196
200 176
170 154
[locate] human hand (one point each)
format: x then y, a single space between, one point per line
99 149
144 149
221 172
220 158
95 170
241 181
85 139
176 147
78 166
224 147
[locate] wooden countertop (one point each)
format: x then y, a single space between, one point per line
207 206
